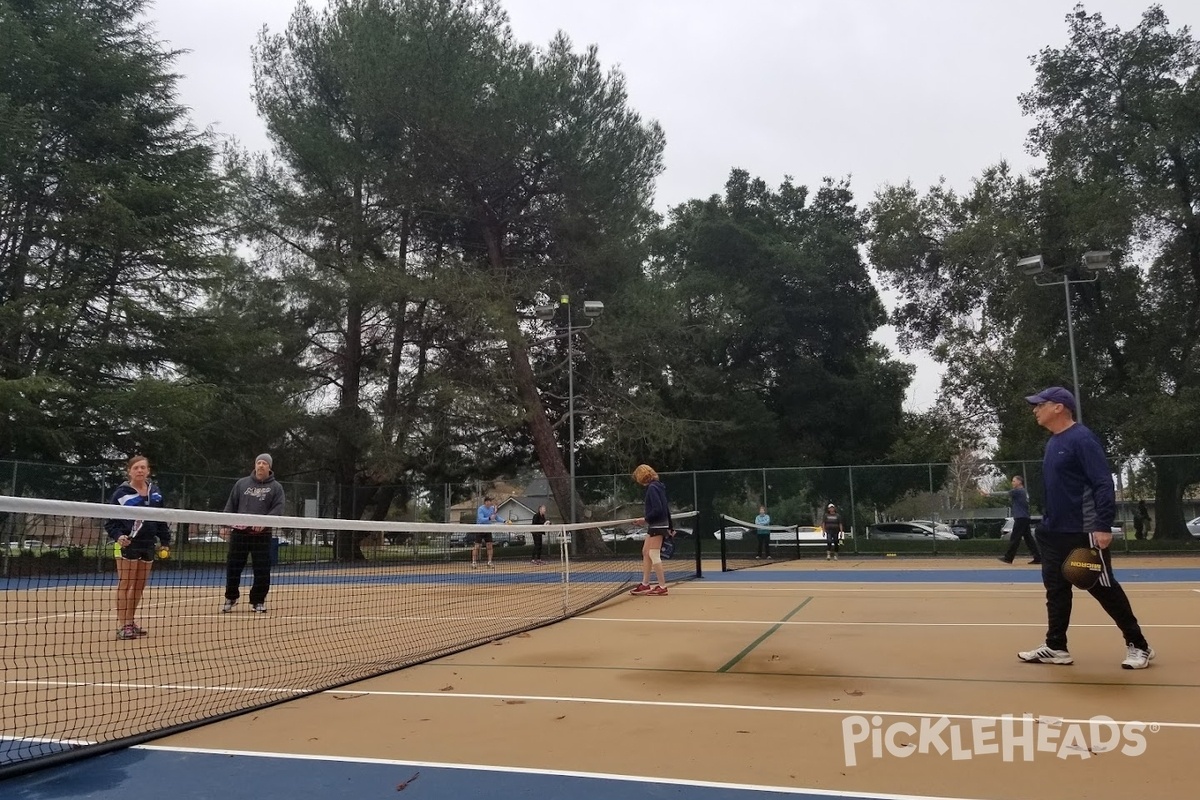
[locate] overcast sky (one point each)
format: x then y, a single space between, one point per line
882 91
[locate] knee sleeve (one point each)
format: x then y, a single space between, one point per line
656 556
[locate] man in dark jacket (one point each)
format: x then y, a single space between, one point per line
1078 512
1018 501
257 493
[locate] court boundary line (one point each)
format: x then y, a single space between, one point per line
786 622
561 773
1045 719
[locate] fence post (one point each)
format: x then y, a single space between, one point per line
853 509
696 526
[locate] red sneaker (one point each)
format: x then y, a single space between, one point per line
657 591
641 588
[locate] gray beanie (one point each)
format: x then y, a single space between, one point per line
264 457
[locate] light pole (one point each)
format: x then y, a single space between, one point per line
1095 260
591 309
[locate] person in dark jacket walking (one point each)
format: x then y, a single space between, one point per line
658 524
136 540
538 552
1079 509
257 493
1018 501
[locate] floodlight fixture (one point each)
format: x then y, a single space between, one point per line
592 308
1032 265
545 313
1097 260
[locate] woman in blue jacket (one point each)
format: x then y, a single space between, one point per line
136 539
658 524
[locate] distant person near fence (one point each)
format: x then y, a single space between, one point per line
1018 501
831 523
762 534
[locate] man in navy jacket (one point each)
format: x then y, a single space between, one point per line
1078 512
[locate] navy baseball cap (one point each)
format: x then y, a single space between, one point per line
1054 394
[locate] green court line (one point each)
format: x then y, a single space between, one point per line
733 661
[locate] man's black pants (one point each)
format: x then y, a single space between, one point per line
1020 532
256 546
1054 549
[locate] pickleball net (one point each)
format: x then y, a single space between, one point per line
348 600
744 544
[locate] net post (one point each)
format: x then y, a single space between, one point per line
724 561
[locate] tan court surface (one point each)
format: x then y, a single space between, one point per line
751 683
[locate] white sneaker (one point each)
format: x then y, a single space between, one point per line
259 608
229 604
829 556
1136 658
835 556
1046 655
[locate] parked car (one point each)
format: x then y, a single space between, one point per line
461 539
909 531
16 545
1194 527
940 527
507 539
206 538
636 534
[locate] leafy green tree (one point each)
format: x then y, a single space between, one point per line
110 210
1117 123
768 341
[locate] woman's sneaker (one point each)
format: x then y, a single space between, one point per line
128 632
641 588
1046 655
1137 658
657 591
138 629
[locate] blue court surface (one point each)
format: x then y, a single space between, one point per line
141 773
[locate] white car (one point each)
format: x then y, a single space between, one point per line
1194 527
29 544
909 531
733 533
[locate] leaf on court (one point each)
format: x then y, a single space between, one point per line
564 716
853 692
400 787
447 689
773 658
522 635
741 731
514 702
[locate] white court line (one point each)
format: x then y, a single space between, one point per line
815 623
823 587
841 712
562 773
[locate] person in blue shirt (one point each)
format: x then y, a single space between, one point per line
763 534
484 515
1018 501
657 519
136 540
1078 512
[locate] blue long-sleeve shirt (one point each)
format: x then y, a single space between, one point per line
1079 483
1019 502
485 515
126 495
658 512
